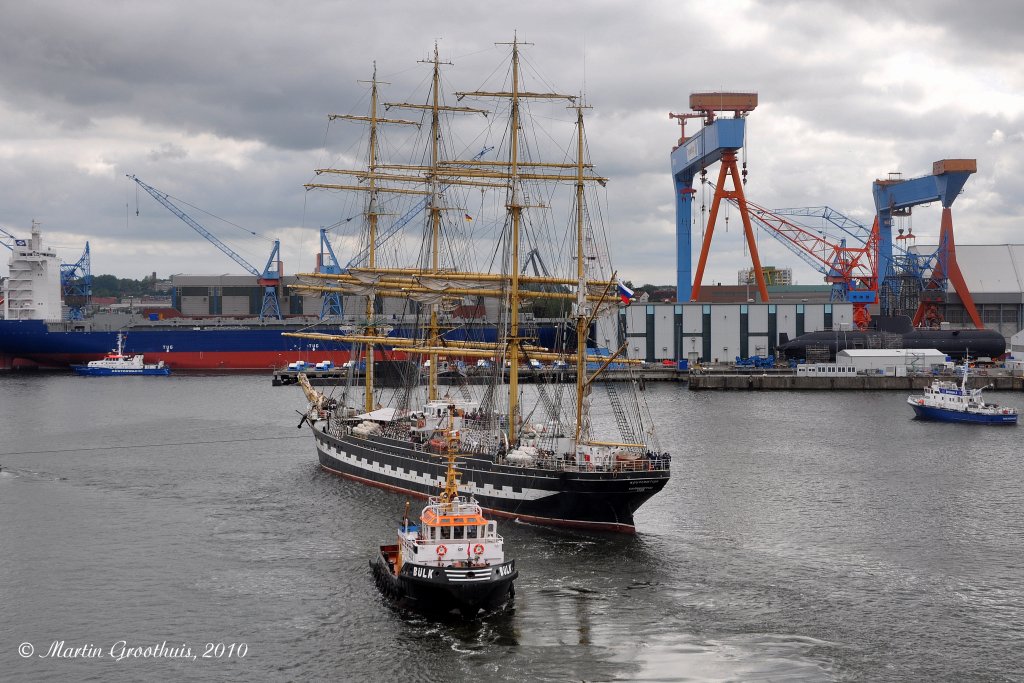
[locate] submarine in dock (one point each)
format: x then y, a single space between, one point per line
896 332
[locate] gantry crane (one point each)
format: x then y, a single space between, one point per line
909 282
718 140
269 278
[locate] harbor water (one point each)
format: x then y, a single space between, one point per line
179 528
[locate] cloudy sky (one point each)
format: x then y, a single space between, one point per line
223 104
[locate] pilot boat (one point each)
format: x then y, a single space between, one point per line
117 363
451 560
946 401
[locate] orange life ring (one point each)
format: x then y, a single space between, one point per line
441 550
478 549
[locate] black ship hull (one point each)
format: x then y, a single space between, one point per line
600 500
441 590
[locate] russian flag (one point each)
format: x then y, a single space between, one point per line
625 293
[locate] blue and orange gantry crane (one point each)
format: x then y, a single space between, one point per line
865 266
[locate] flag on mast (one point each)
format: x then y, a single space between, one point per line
625 293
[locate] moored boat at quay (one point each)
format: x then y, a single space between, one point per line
116 363
551 461
947 401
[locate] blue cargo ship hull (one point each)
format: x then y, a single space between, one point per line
194 344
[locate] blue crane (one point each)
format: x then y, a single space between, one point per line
13 240
10 236
269 278
327 262
896 197
718 141
76 285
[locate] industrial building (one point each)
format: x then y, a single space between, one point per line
726 326
705 332
994 274
893 361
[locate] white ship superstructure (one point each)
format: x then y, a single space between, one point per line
32 290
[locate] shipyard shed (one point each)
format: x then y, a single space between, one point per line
994 274
893 361
709 333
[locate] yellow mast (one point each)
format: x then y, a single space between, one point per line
371 216
451 482
435 108
515 210
581 273
435 226
509 174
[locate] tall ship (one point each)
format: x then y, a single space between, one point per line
583 454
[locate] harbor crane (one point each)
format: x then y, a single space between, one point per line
850 267
76 285
918 280
904 282
327 262
8 235
718 140
269 278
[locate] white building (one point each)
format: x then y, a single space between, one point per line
893 361
32 291
708 333
1015 354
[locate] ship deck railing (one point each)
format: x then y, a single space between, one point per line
653 462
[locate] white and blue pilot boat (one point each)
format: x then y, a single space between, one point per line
117 363
451 561
947 401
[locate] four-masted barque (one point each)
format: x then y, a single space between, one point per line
579 453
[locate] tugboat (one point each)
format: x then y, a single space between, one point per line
451 561
945 401
116 363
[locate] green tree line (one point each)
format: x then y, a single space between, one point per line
111 285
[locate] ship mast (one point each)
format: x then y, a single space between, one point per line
371 216
515 209
435 107
509 174
371 174
581 290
